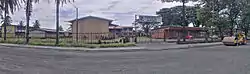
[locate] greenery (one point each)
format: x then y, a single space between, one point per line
68 43
223 16
36 24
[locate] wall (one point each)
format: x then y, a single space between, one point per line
87 27
10 30
37 34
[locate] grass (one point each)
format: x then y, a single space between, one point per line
70 43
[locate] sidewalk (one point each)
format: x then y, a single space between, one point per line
139 47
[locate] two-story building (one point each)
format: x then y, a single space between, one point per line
121 30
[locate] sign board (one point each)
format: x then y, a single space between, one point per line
147 18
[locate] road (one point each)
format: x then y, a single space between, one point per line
210 60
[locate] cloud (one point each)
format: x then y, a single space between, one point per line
122 11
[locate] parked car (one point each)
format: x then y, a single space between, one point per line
214 37
189 37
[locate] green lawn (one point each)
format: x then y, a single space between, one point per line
69 42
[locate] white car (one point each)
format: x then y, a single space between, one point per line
214 37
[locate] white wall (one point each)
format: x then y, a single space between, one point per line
37 34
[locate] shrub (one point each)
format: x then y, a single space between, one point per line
116 45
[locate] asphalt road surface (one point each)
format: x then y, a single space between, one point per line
210 60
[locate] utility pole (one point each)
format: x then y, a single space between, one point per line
77 14
76 24
57 21
183 20
135 26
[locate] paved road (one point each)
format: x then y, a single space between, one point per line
211 60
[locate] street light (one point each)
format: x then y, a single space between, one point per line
76 21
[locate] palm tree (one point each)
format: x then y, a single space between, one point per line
184 21
28 14
57 17
8 6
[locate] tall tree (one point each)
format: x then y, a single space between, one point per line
36 24
28 14
8 6
184 21
244 23
234 8
8 20
172 16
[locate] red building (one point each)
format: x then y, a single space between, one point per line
174 32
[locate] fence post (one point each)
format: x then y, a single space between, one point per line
91 38
164 33
150 36
135 35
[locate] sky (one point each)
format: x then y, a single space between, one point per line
121 11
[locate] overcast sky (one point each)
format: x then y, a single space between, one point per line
122 11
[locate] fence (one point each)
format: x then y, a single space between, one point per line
104 38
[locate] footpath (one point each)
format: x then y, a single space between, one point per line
139 47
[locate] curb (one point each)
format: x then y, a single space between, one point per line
124 49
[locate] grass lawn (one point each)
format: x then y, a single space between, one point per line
69 42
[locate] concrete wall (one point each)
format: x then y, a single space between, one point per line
87 27
37 33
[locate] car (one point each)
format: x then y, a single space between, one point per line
189 37
214 37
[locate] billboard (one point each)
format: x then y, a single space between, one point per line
148 18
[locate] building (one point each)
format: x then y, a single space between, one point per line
121 30
90 27
174 32
47 33
14 31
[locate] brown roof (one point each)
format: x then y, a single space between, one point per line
180 28
87 17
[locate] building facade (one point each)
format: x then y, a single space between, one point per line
175 32
90 27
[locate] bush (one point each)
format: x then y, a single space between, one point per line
116 45
45 42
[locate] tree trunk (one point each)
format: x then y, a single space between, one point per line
231 32
221 33
57 22
5 20
232 28
27 20
183 20
206 36
246 33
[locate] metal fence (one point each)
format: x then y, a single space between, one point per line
103 38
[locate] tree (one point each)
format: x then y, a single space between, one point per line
8 6
8 20
58 2
36 24
21 23
28 14
61 28
172 16
244 23
184 22
147 26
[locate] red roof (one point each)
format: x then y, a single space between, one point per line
180 28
